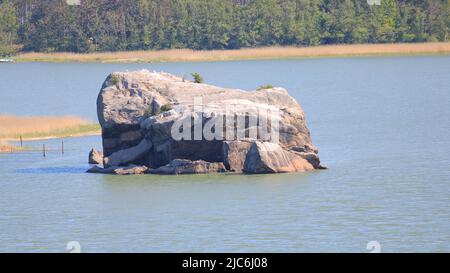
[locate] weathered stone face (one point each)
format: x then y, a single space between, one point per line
95 157
124 157
235 153
266 157
184 166
138 110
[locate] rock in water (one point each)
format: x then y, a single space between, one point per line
97 169
184 166
95 157
131 169
266 157
171 125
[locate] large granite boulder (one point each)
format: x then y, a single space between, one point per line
139 110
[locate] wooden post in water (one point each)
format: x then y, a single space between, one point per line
62 147
43 150
21 142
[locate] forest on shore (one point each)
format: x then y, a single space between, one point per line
114 25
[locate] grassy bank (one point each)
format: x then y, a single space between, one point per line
187 55
33 128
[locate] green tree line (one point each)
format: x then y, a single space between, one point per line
116 25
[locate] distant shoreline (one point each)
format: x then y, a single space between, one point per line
16 129
187 55
28 139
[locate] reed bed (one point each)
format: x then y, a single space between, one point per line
12 127
187 55
6 148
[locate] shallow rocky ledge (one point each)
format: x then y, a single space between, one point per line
137 111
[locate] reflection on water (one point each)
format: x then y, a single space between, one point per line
381 125
52 170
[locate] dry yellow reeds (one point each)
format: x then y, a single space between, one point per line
179 55
13 127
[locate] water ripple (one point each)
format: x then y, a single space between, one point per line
52 170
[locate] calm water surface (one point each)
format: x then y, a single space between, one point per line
382 125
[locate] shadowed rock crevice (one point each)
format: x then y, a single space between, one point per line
138 111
